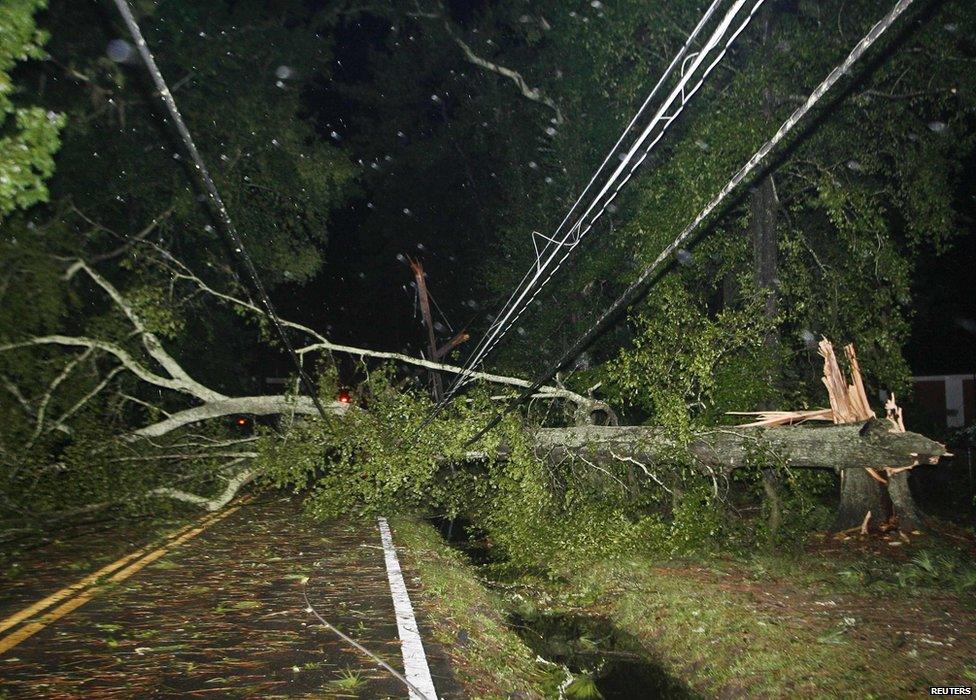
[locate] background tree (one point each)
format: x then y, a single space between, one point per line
28 135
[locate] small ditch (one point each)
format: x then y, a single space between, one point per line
592 646
588 645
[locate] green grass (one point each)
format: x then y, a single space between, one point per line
847 622
487 657
927 568
723 640
349 679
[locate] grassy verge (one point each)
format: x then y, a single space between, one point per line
726 634
487 657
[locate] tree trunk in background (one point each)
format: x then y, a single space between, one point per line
764 209
764 206
860 493
764 212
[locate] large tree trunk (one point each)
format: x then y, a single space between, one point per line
853 446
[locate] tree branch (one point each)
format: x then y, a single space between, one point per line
532 93
234 485
121 355
152 344
42 407
256 405
59 423
324 344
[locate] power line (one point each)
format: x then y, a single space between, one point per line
678 57
634 165
648 275
217 204
224 218
542 272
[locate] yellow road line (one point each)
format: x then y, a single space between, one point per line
82 584
88 580
84 590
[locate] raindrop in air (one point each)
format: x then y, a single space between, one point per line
596 4
808 338
335 135
283 72
684 257
937 126
120 50
854 165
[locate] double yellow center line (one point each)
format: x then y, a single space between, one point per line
79 593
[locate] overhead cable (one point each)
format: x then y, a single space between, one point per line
547 261
649 274
213 196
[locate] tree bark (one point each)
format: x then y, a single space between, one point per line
765 257
840 447
860 493
909 517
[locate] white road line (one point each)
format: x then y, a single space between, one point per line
414 658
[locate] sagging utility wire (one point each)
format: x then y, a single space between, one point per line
359 647
649 275
547 262
678 58
223 217
217 206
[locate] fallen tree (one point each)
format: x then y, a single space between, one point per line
839 447
852 449
878 491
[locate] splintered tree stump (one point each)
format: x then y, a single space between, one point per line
909 517
860 494
881 488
